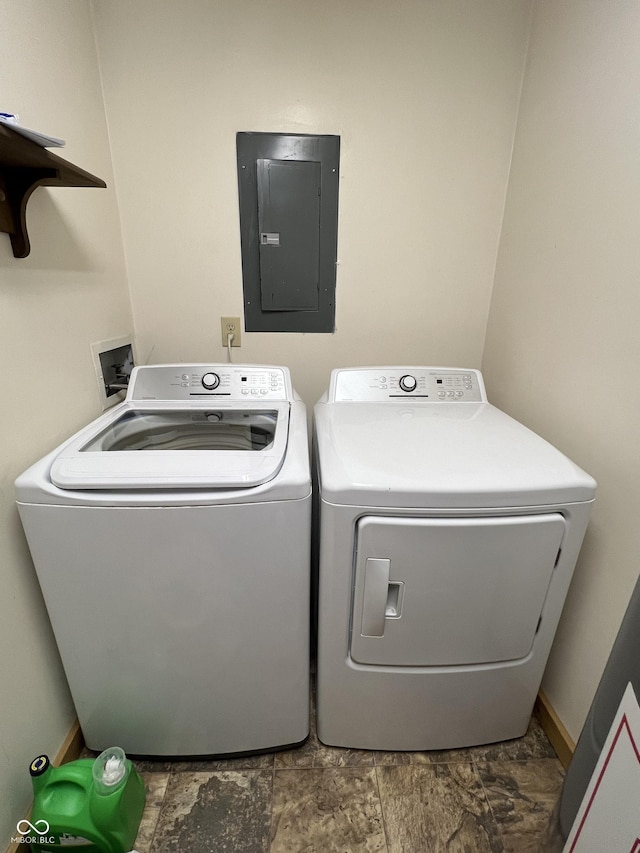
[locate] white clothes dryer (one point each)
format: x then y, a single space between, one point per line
171 540
448 535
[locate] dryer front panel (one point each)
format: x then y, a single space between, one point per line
446 592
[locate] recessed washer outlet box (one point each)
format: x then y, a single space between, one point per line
113 361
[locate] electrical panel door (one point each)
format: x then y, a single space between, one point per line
289 227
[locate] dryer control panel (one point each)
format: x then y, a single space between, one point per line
195 382
424 384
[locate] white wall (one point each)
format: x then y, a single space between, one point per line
70 291
563 347
424 98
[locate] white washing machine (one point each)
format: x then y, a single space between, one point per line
448 535
171 540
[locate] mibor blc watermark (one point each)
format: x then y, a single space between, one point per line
33 833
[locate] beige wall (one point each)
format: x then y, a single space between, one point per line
424 98
563 348
70 291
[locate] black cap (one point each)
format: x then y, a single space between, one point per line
39 765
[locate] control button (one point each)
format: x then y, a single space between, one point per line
408 382
210 381
459 393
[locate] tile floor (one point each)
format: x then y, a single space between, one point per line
315 798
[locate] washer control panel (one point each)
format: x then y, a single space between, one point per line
426 384
205 381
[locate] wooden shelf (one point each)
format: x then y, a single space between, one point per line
24 166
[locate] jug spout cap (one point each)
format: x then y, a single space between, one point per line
39 765
38 770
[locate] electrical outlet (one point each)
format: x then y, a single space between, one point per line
231 326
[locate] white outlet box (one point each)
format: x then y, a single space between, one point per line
106 354
231 326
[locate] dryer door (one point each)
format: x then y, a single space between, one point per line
443 591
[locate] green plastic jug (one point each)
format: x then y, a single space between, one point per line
93 806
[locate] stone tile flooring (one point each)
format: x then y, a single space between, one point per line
316 798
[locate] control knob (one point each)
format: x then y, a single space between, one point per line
408 382
210 381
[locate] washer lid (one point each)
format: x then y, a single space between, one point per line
440 455
164 446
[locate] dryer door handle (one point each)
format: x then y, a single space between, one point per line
374 600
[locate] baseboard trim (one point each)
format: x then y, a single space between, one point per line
71 748
558 736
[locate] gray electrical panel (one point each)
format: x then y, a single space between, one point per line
288 191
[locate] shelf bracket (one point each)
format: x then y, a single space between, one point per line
25 166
